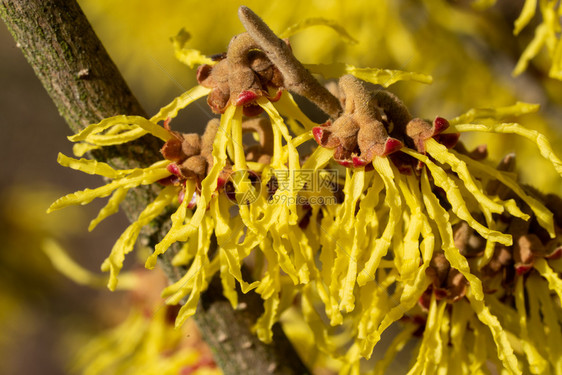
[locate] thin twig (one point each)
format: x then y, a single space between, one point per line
296 77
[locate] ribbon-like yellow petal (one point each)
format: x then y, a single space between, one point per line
383 77
182 101
316 21
127 240
539 139
145 176
505 352
112 207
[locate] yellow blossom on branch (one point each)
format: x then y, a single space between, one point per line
386 217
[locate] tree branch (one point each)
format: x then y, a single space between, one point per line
86 87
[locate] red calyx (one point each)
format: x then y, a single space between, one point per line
221 182
245 98
359 162
522 268
174 169
318 132
277 96
170 180
392 145
439 125
345 163
193 202
167 123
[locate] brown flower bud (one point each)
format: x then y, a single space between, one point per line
191 144
194 167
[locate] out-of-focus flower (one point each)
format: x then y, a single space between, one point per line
145 341
367 252
27 283
547 35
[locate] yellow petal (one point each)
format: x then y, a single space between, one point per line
227 239
132 127
505 352
208 185
345 284
460 316
398 343
456 200
431 348
544 216
440 153
68 267
537 363
269 317
518 109
315 21
190 57
287 106
182 101
527 13
138 177
178 219
550 323
112 207
124 123
539 139
79 149
453 255
383 77
556 68
532 49
410 258
554 281
127 240
384 169
92 167
318 159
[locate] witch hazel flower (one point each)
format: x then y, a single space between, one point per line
417 230
369 120
200 166
443 227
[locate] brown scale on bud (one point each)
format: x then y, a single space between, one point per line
243 75
467 240
446 282
184 150
359 134
191 154
295 76
191 157
376 123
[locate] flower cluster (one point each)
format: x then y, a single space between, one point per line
420 229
